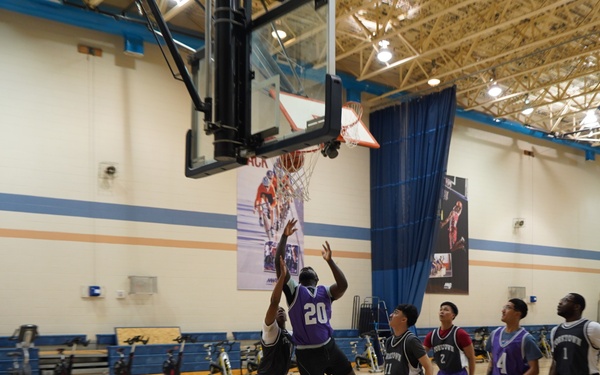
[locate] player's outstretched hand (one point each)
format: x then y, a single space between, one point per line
290 227
326 251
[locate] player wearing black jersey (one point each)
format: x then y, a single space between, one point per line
405 354
576 342
276 341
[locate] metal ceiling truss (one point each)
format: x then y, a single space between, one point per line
544 54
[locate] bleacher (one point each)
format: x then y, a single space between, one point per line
6 361
344 337
43 354
149 358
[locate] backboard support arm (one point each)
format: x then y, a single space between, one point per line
183 72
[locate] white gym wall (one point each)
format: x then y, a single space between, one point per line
64 116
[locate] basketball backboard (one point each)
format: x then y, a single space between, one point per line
290 52
288 48
300 111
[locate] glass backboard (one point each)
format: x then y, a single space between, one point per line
292 53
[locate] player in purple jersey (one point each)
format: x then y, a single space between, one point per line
310 314
513 350
576 342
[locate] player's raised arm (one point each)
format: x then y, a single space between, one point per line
338 289
276 294
280 254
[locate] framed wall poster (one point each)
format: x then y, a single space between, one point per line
449 272
260 222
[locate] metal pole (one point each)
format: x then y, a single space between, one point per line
185 75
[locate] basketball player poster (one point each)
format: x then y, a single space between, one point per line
449 272
261 218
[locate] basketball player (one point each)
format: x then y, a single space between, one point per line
275 204
576 342
452 222
310 314
405 354
276 342
265 193
513 349
452 346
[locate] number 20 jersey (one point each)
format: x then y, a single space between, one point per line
310 313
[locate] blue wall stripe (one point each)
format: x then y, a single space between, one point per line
337 231
111 211
511 247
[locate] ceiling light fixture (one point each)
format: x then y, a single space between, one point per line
528 109
384 54
495 90
590 120
278 34
433 82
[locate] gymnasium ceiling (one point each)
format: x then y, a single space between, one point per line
544 54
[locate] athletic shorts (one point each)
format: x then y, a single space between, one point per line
461 372
328 359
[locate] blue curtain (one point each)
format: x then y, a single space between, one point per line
406 184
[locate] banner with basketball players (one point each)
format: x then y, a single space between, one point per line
261 218
449 273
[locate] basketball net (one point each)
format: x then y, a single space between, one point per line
350 118
293 172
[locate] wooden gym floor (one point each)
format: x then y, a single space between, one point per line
481 367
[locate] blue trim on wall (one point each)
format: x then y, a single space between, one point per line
510 247
337 231
111 211
517 127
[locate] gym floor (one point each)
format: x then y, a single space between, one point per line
481 367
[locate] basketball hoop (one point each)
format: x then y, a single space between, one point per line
351 115
293 172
